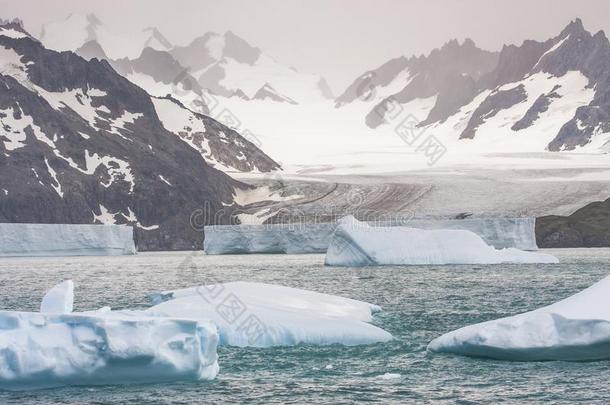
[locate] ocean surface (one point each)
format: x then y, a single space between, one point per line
419 302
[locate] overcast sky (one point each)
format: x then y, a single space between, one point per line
339 39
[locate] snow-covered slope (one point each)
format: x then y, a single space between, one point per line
227 65
530 98
356 243
81 144
576 328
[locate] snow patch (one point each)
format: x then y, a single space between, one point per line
53 174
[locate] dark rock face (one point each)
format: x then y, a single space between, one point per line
587 227
364 86
456 74
220 144
495 102
449 72
514 63
455 91
90 50
101 154
541 105
268 92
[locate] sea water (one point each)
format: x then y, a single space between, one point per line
419 302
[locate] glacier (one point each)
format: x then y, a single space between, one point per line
65 240
42 350
355 243
264 315
574 329
300 238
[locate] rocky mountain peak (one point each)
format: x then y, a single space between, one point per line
575 27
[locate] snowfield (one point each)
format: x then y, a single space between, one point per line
576 328
355 243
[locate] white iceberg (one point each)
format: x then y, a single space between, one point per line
267 238
355 243
65 240
301 238
59 299
40 350
263 315
576 328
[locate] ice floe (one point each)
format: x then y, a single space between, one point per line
576 328
40 350
263 315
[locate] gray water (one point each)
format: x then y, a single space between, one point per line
420 303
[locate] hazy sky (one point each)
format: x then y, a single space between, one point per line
339 39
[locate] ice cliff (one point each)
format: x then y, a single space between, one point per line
501 233
65 240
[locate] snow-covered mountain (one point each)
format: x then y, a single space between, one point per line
538 96
81 144
224 64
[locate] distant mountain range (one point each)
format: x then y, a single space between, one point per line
224 64
534 97
80 143
552 95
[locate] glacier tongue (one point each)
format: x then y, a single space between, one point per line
263 315
59 299
577 328
355 243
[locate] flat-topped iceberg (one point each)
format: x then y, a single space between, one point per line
355 243
39 350
263 315
298 238
576 328
65 240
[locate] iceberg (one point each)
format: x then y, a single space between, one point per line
574 329
264 315
301 238
272 238
355 243
59 299
65 240
41 350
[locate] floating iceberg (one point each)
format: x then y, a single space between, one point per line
65 240
263 315
59 299
355 243
39 350
272 238
577 328
500 233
